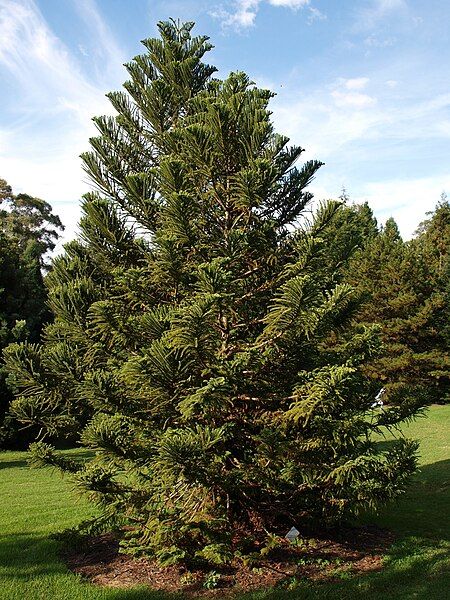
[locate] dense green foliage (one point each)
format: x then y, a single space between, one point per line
406 290
28 230
198 327
353 228
432 242
35 504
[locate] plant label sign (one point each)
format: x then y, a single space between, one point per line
292 534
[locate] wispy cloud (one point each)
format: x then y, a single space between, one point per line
108 52
375 11
242 16
315 15
326 121
383 127
373 41
38 60
49 124
356 83
242 13
347 93
361 131
391 83
407 200
352 99
294 4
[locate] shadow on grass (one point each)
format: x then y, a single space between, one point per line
414 569
28 556
437 473
411 571
78 454
424 509
415 566
13 464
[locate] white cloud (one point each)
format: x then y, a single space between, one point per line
242 17
44 67
43 133
362 138
355 117
290 3
315 15
322 126
372 41
370 16
353 99
109 53
37 59
83 50
391 83
384 6
357 83
244 12
407 200
348 94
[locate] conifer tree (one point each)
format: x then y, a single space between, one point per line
28 230
432 244
351 230
399 282
190 326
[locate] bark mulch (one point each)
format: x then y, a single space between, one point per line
326 557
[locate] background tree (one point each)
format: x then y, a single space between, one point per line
352 229
403 284
28 230
432 243
190 321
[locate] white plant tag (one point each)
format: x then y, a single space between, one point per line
292 534
378 399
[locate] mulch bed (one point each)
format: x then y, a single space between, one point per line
325 558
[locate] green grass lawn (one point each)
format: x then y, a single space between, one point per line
35 503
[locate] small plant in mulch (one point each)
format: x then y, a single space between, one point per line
211 580
323 557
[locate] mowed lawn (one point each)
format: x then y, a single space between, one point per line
35 503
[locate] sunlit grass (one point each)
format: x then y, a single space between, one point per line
36 503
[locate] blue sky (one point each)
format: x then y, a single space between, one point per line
363 85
